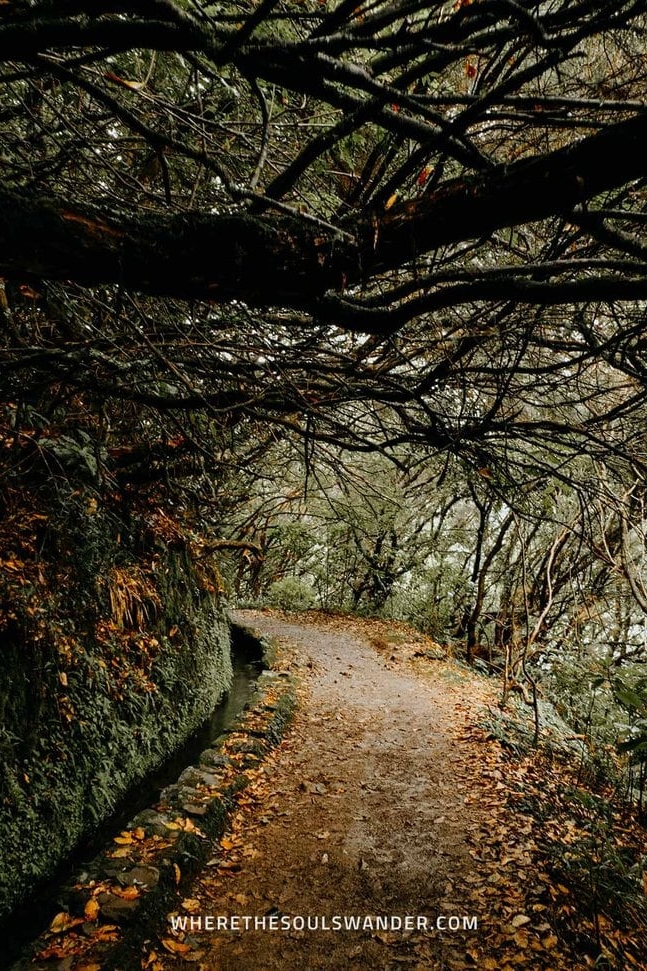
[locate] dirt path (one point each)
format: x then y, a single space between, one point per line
364 811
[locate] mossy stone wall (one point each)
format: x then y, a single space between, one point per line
113 653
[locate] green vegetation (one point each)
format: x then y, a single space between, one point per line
115 648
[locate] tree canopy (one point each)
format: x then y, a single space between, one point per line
376 223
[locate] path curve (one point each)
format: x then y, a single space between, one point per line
368 815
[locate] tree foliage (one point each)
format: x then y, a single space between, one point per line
375 223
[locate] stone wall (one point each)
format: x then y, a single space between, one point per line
115 648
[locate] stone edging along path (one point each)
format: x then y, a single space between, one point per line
128 888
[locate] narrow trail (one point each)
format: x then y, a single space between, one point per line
368 814
377 802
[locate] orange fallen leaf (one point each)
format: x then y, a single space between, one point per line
92 909
63 922
175 947
126 893
192 905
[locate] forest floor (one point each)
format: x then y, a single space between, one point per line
387 798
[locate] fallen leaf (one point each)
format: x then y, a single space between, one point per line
62 922
92 909
175 947
126 893
228 844
192 905
520 920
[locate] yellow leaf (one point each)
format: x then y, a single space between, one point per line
122 852
92 909
175 947
391 201
124 839
178 874
61 922
192 905
139 833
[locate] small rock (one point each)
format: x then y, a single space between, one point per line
119 910
190 777
194 809
212 757
140 876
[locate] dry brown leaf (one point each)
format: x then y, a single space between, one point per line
191 905
175 947
520 920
